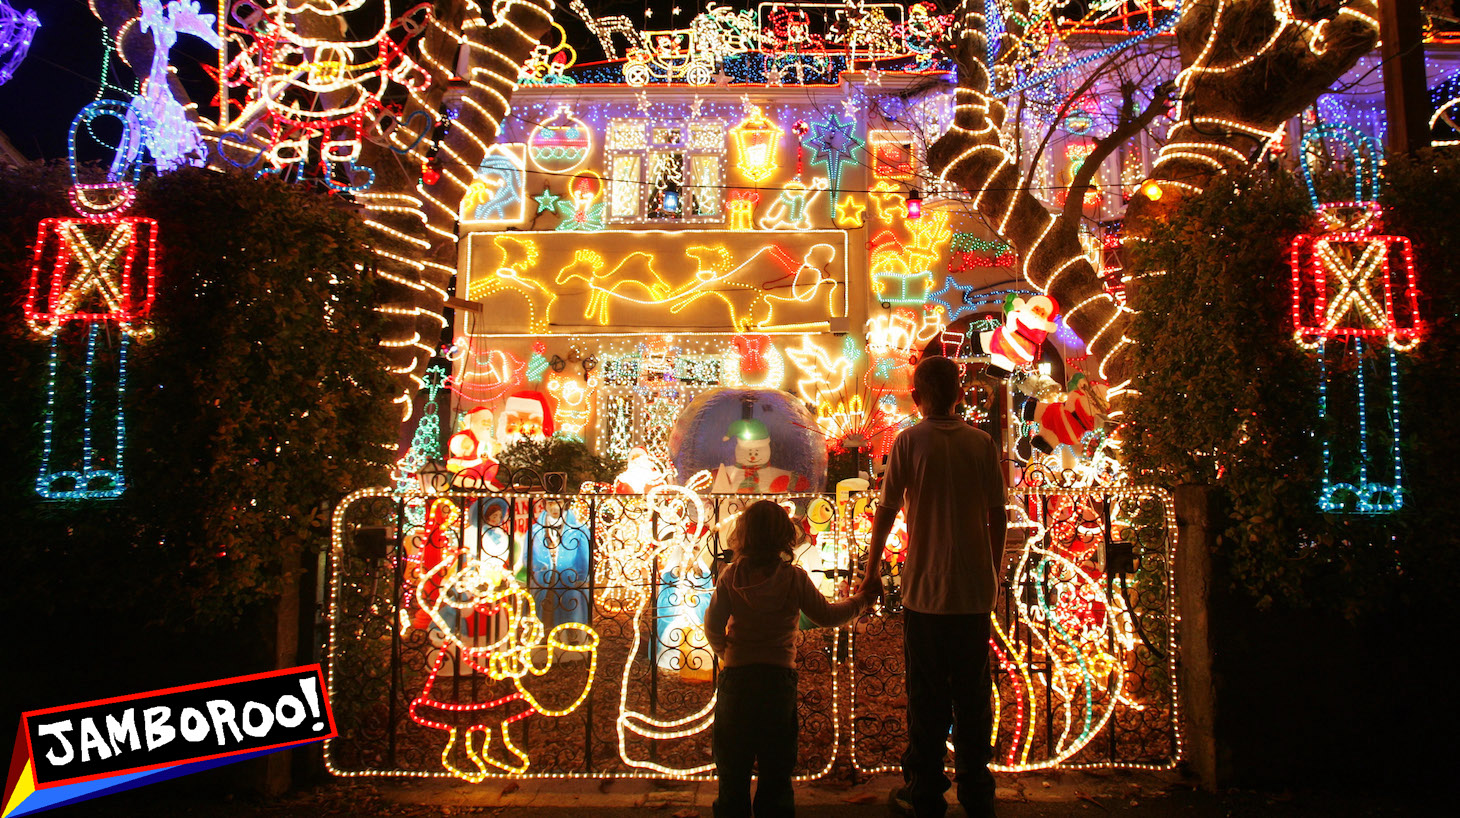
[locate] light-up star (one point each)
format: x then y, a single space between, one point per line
849 107
721 79
694 106
434 380
547 202
874 77
849 212
835 145
955 297
643 98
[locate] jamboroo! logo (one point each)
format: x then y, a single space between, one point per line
72 753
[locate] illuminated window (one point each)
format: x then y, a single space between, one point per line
666 172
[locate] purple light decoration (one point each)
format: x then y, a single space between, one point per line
1067 336
16 31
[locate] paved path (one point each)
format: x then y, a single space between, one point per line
1086 794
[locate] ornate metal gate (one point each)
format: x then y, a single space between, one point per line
535 634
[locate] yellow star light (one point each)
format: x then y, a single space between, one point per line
849 212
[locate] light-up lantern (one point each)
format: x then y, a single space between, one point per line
756 140
915 204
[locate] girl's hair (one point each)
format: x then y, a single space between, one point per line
764 534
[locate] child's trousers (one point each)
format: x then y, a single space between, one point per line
755 726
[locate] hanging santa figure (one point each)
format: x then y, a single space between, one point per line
1017 342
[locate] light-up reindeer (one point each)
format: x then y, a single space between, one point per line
92 279
1346 295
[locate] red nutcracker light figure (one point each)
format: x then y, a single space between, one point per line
92 282
1354 287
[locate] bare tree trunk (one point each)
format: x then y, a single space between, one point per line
1249 66
414 226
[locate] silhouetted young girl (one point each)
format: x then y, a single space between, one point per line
751 624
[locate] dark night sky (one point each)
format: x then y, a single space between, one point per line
60 74
57 78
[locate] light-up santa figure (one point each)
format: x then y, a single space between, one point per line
1017 342
470 452
476 718
641 473
525 416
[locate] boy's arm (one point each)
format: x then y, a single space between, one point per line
818 609
716 616
998 514
881 529
998 532
888 505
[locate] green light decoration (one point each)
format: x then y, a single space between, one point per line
426 442
547 202
835 145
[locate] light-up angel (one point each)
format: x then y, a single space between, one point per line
16 32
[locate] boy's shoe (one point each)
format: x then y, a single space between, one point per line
899 805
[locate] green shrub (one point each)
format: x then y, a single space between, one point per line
257 404
1227 399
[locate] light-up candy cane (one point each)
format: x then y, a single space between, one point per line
1343 292
93 279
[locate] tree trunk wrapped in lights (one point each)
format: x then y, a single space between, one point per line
1249 66
415 225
